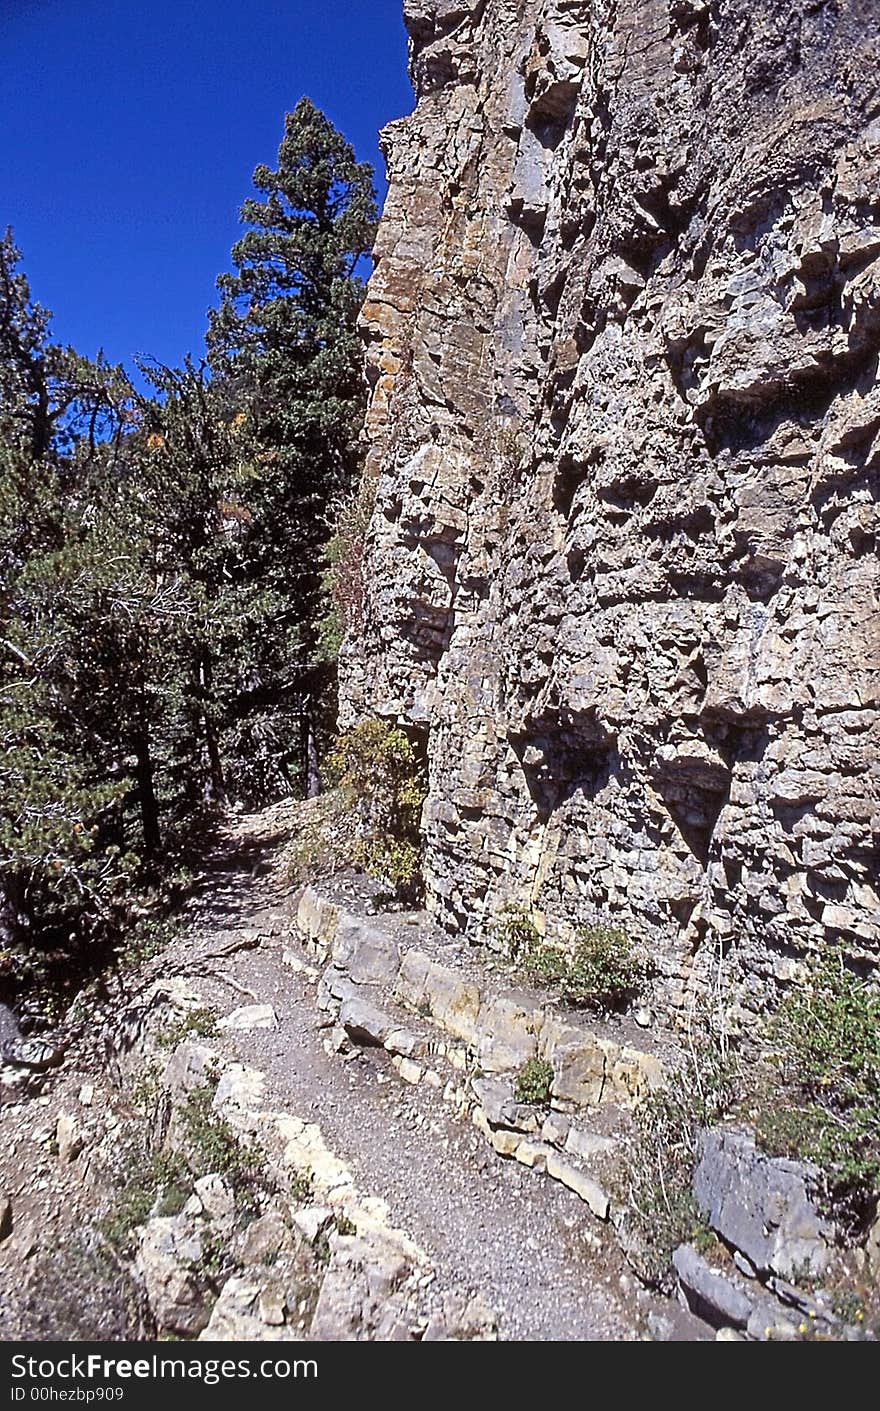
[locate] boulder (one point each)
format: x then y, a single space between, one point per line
216 1200
508 1033
250 1016
761 1205
579 1065
237 1315
68 1138
360 1293
168 1258
710 1294
363 949
365 1022
872 1250
191 1065
579 1182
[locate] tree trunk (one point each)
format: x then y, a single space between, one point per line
312 771
216 781
147 801
10 900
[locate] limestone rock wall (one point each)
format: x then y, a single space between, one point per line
621 575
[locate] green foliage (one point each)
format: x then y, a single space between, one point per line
155 1184
66 858
160 560
381 773
533 1082
598 971
517 933
285 338
195 1023
661 1155
300 1187
828 1033
210 1145
342 582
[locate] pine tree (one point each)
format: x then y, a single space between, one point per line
160 556
285 339
57 413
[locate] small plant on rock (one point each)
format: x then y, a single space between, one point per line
210 1145
533 1082
517 933
157 1183
194 1023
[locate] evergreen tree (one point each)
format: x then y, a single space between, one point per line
160 555
57 413
285 339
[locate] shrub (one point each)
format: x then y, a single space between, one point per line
533 1082
211 1145
517 933
828 1034
599 971
661 1154
380 771
343 578
157 1183
194 1023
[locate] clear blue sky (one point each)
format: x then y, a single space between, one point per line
129 130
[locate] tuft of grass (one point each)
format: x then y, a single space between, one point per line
300 1187
517 933
211 1145
158 1185
661 1155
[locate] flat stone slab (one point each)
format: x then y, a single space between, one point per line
250 1016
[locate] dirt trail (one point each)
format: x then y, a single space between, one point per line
528 1246
544 1265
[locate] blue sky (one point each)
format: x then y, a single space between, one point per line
129 131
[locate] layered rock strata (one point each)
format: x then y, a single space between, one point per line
621 577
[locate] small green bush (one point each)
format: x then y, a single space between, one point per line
828 1036
211 1145
599 971
160 1184
533 1082
200 1023
517 933
380 771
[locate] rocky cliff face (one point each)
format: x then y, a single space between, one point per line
621 576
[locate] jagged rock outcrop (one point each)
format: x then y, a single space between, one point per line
621 577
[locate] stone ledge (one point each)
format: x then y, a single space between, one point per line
375 982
